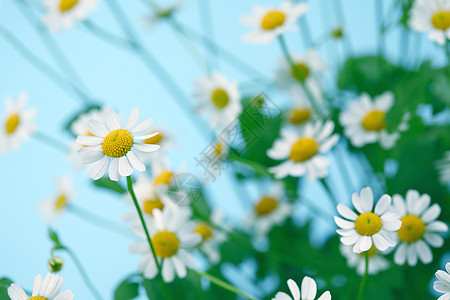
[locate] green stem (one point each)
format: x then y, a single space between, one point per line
379 18
51 141
223 284
149 240
329 192
340 159
205 13
364 279
341 17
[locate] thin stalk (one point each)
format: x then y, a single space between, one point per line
106 35
149 240
340 158
223 284
341 17
51 141
205 13
329 192
379 20
364 279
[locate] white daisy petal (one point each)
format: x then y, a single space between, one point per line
293 287
134 116
309 288
346 212
431 213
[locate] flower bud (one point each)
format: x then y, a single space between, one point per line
55 264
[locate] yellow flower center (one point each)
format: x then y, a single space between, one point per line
117 143
300 71
220 98
37 298
337 33
265 206
273 19
12 123
372 251
204 230
151 204
374 121
61 202
441 20
368 224
163 178
412 229
66 5
299 115
218 149
165 243
154 140
303 149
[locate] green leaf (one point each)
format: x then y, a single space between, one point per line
127 289
108 184
5 283
188 288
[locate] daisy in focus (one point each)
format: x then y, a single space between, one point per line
219 100
270 22
271 210
211 237
301 152
364 121
109 144
433 17
47 289
419 228
17 123
377 262
63 14
308 291
443 283
55 206
366 227
443 167
172 234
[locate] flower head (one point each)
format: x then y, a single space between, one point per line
419 228
433 17
54 206
443 283
308 291
47 289
62 14
367 227
111 144
211 237
443 167
377 262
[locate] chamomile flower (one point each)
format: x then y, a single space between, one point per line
172 234
364 121
54 206
47 289
302 151
366 227
219 100
443 167
163 172
17 123
433 17
300 113
111 144
211 237
164 138
270 210
213 160
377 262
270 22
161 13
419 228
308 291
63 14
443 283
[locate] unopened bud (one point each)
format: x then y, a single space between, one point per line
55 264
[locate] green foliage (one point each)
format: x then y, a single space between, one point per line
188 288
108 184
128 289
5 283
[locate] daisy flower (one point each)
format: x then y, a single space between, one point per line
17 122
211 237
433 17
443 283
162 12
164 138
301 112
301 152
172 234
307 69
308 291
443 167
62 14
53 207
111 144
364 122
419 228
377 262
366 227
271 210
270 22
47 289
219 100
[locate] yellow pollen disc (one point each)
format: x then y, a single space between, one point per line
299 115
12 123
163 178
412 229
220 98
265 206
337 33
154 140
300 71
372 251
273 19
303 149
61 202
37 298
441 20
374 121
66 5
117 143
165 243
151 204
204 230
218 149
368 224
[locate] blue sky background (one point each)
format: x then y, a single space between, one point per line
118 78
